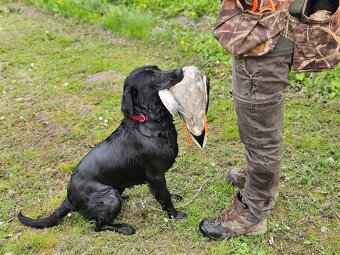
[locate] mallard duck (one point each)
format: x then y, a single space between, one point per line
189 99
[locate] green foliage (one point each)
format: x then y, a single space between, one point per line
174 8
323 86
162 22
128 21
68 167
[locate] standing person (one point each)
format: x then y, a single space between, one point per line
258 87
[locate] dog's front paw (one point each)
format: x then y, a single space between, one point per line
179 215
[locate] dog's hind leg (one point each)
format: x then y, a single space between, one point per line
103 205
104 224
123 228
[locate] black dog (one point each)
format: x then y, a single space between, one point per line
140 151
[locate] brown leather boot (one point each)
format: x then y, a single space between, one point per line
237 177
236 220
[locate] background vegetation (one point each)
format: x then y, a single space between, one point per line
187 23
50 115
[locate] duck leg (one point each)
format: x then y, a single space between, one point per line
187 132
205 122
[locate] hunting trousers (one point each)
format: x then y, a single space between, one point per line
259 85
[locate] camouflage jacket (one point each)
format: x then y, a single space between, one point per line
253 27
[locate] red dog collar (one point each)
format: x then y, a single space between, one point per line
140 118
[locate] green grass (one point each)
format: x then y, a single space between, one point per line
49 118
186 25
152 21
121 19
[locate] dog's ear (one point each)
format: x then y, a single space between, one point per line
127 107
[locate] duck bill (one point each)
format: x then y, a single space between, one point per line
201 140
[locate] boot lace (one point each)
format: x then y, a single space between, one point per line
232 213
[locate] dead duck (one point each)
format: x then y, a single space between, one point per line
190 99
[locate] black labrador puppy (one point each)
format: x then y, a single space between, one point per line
140 151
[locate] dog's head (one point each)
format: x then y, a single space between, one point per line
141 88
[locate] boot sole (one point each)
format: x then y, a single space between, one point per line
258 229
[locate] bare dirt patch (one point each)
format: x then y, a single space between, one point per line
103 77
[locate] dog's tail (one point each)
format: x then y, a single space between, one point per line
50 221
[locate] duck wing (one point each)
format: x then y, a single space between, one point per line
170 102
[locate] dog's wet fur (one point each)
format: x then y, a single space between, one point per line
135 153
